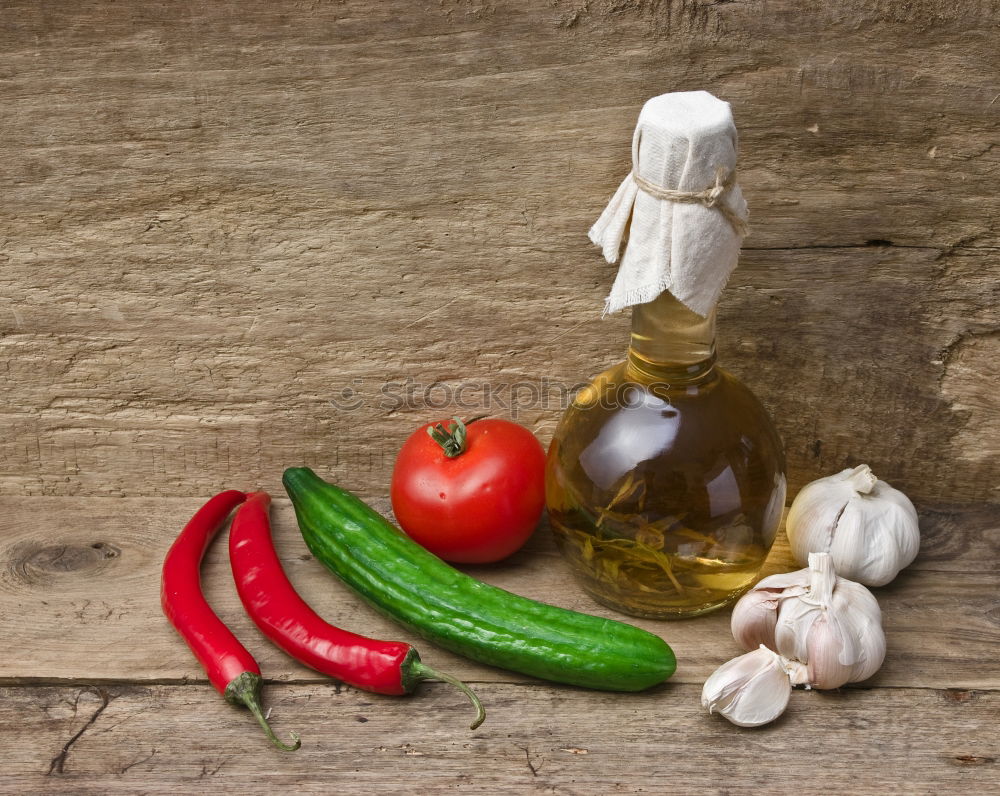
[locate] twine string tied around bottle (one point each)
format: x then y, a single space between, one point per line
710 197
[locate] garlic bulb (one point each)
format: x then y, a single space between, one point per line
868 527
831 625
750 690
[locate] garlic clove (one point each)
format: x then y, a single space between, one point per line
900 530
874 654
905 519
860 618
860 553
874 541
756 612
754 618
791 633
816 510
750 690
825 644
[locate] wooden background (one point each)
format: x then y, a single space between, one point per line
218 217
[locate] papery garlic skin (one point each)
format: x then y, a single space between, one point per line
869 528
831 625
750 690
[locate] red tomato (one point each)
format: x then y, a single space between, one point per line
478 506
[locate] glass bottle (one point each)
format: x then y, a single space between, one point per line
666 476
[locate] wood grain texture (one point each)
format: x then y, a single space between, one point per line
183 739
235 236
97 580
218 217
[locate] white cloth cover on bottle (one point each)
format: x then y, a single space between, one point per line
684 142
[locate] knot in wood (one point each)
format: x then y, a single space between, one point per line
32 563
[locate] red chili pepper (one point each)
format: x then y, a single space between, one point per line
384 667
230 668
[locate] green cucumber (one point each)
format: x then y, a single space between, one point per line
405 582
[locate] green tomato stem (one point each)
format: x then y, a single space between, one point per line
452 438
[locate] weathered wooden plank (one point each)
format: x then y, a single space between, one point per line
219 216
212 227
194 387
83 574
184 739
314 106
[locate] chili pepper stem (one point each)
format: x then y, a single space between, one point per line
245 690
424 672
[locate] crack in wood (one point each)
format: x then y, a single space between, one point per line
59 761
137 762
531 766
206 773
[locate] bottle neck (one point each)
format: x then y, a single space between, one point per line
670 343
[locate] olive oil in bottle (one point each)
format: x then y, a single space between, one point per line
665 479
